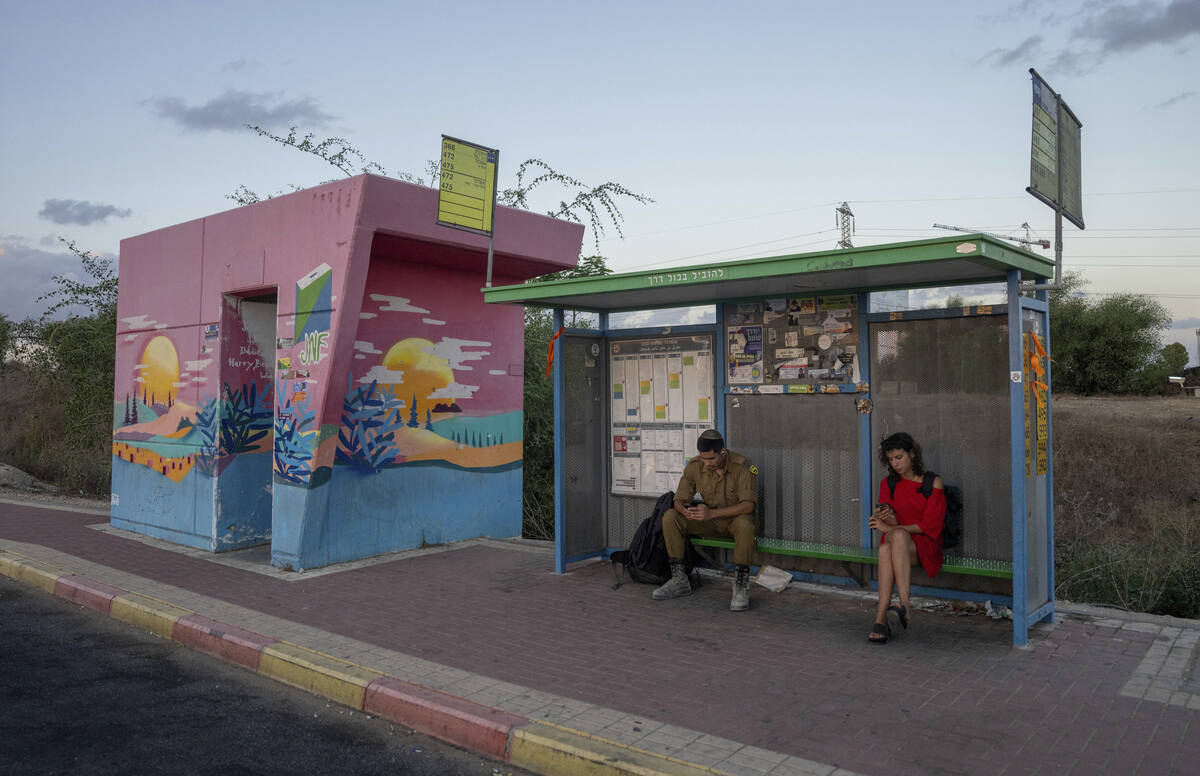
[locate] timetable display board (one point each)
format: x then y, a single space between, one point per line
467 185
662 399
792 344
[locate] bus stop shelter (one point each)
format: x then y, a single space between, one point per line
804 366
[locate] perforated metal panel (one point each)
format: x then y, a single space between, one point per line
625 514
584 445
806 450
945 381
1037 559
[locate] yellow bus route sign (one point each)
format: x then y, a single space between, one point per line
467 192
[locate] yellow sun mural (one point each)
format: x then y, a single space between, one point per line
160 370
424 373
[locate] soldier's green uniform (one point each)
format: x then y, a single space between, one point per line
739 482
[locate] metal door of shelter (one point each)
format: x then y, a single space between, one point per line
581 465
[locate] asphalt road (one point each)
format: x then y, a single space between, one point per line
83 694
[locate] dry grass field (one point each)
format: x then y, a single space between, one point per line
1127 502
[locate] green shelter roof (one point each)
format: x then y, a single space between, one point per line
945 261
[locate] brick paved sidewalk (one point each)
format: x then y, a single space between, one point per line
793 677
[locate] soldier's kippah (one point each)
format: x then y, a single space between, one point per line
710 441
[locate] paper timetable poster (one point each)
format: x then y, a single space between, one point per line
662 399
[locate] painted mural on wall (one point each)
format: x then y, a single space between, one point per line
420 439
191 402
427 389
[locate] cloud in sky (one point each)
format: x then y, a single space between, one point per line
1177 99
1125 28
240 65
1022 52
81 212
1133 26
234 109
27 273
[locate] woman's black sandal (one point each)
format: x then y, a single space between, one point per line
902 613
881 629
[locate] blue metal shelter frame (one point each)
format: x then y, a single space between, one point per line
908 265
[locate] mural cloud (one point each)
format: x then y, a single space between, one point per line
381 374
396 304
455 391
452 350
80 212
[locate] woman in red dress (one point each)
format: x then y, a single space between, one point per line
911 525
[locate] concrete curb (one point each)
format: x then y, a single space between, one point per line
540 747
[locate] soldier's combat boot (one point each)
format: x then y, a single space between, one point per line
741 590
674 587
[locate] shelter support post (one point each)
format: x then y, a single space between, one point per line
866 449
1016 404
560 514
1044 297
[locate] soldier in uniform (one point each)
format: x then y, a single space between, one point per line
728 486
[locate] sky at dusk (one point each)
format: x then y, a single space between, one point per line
747 123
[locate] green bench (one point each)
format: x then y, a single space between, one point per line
952 564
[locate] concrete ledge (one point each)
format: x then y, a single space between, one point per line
156 616
226 642
330 677
41 575
545 749
461 722
87 592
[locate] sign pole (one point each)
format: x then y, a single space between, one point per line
492 240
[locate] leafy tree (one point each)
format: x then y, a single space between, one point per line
71 360
6 327
1175 357
1105 345
1170 360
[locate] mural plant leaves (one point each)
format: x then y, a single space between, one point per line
246 417
293 445
370 420
206 425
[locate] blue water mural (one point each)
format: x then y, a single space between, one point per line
403 508
508 426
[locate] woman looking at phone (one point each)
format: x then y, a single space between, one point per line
911 524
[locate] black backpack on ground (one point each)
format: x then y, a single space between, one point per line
952 530
646 560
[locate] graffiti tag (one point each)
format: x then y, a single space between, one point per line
315 344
